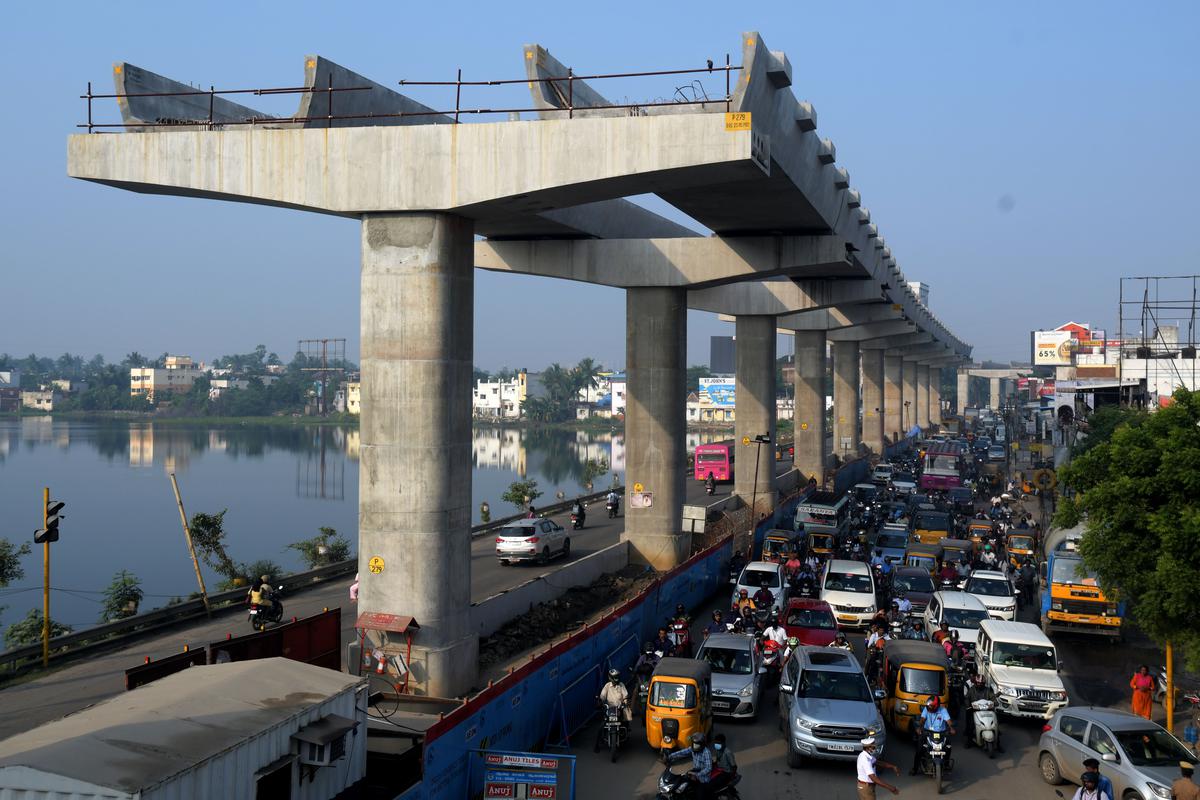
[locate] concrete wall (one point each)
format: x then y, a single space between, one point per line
489 615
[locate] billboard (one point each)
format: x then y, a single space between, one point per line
1052 348
719 391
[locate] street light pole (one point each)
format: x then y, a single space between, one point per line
759 441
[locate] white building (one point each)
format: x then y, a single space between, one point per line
176 377
263 728
618 386
504 399
41 400
218 386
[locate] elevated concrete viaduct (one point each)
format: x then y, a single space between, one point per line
790 235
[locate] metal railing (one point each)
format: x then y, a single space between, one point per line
458 83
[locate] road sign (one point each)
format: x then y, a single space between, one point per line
746 440
803 426
375 565
1045 479
737 121
638 488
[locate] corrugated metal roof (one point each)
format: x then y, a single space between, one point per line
141 738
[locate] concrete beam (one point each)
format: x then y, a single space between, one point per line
775 298
693 262
921 352
896 345
875 330
828 319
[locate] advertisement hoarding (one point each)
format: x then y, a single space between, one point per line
719 392
1052 348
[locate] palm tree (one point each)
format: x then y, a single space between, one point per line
586 374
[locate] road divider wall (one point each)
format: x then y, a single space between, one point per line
492 613
545 702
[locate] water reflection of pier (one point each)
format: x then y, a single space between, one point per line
318 475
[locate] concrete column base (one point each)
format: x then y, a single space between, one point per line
445 671
662 551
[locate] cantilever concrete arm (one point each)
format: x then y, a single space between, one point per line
690 262
776 298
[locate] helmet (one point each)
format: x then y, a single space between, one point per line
743 593
648 648
697 741
840 636
265 579
716 614
614 675
793 641
933 702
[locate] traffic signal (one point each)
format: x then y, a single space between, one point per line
51 518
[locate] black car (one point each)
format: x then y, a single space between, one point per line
963 500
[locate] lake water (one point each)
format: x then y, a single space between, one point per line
279 482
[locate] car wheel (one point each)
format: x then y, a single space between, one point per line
546 554
566 549
504 562
794 759
1131 795
1048 766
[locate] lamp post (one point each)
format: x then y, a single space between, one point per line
759 441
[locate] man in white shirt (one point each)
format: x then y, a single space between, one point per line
867 779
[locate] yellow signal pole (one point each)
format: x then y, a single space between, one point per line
1169 698
45 581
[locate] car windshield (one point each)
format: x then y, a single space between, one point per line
912 583
810 618
932 521
818 685
914 680
902 477
846 582
517 531
727 660
673 695
1072 570
712 458
1152 747
1032 656
896 540
963 617
760 577
865 493
961 494
989 587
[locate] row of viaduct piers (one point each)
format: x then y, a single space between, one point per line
792 249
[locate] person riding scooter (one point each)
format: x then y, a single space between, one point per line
578 515
710 485
613 503
840 641
976 689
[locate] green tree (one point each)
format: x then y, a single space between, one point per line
586 374
538 409
208 537
1139 490
122 597
29 630
10 561
593 470
326 548
246 573
517 491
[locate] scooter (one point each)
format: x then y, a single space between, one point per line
772 657
987 728
577 520
681 637
261 616
613 507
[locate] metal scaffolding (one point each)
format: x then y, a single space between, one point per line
1156 323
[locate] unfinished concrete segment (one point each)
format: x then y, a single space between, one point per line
935 395
809 427
893 396
846 376
414 523
655 449
873 400
754 476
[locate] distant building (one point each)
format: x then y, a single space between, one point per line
722 355
41 400
176 377
69 385
619 386
505 399
354 397
10 390
921 290
219 386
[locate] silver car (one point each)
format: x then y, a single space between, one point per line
826 707
735 674
1138 756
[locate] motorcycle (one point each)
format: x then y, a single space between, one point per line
681 637
614 733
987 728
736 563
261 616
613 507
677 786
577 520
936 760
772 657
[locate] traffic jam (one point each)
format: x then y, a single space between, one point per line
909 618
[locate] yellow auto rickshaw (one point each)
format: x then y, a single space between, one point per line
930 527
822 544
913 671
1019 546
926 556
957 550
679 703
978 530
778 545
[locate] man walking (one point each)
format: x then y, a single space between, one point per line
868 779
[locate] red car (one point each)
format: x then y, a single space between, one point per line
811 621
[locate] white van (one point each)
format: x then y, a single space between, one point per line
961 611
849 588
1020 667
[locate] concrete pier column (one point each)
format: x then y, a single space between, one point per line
994 393
909 391
414 492
964 391
655 448
872 400
809 420
922 416
935 396
846 376
755 412
893 396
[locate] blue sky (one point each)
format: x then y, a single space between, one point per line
1019 157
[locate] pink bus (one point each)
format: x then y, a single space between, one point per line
714 458
943 467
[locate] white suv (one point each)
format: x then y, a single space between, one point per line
995 591
849 588
882 474
961 611
532 540
1020 667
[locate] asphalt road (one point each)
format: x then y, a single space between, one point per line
95 678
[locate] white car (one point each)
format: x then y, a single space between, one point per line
532 540
882 474
849 588
995 591
904 483
1020 667
961 611
757 574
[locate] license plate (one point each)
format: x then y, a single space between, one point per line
845 618
842 748
253 611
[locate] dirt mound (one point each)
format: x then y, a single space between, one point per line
548 621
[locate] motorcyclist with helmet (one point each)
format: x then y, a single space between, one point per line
647 661
933 719
614 695
261 594
976 689
916 631
743 601
702 763
763 598
956 651
840 641
716 626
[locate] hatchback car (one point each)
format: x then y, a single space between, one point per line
810 621
735 673
532 540
891 542
995 453
904 482
1138 756
881 474
995 591
916 586
758 574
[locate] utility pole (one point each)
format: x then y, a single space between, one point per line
187 532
